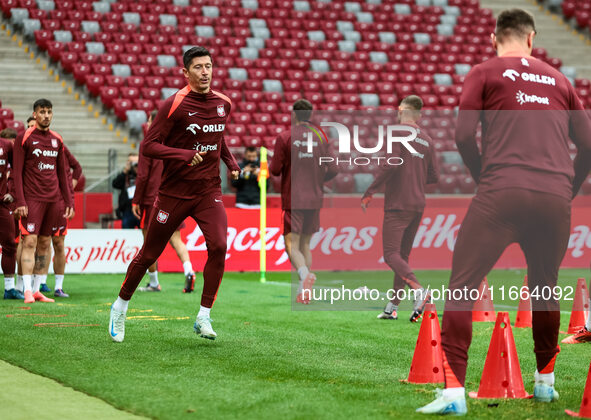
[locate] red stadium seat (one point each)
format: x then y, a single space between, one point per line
68 60
6 114
94 83
42 37
129 92
19 126
145 105
80 71
112 80
448 184
120 106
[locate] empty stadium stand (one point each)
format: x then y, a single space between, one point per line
341 55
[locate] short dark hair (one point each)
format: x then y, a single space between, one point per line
30 119
514 23
303 109
193 52
250 149
42 103
8 133
414 101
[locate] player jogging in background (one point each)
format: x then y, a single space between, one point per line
41 182
187 134
526 182
301 205
404 203
149 175
7 233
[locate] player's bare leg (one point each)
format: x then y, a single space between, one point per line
298 260
19 266
59 264
181 251
42 259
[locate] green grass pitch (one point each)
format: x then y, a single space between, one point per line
269 360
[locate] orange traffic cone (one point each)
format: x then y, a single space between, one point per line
427 362
523 319
578 315
585 410
501 377
483 310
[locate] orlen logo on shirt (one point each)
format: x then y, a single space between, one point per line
207 128
45 166
523 98
46 153
529 77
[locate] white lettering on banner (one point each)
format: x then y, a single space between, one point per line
238 242
348 241
441 231
579 239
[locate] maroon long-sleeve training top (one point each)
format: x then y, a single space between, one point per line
40 168
528 110
405 184
186 123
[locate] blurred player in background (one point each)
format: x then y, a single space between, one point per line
41 181
301 204
187 134
526 182
149 176
404 203
7 231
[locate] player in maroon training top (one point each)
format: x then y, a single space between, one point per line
526 181
41 182
187 134
6 221
404 203
149 176
301 204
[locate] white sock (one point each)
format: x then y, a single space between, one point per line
454 392
203 311
187 267
27 283
303 273
43 278
588 323
59 281
153 278
547 378
120 305
36 282
8 283
19 282
390 307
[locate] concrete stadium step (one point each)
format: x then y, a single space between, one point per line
555 35
24 79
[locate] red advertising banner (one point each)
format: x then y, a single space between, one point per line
350 239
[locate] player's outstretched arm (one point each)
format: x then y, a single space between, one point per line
381 177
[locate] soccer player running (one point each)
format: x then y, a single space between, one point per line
525 181
7 233
149 176
187 134
404 203
301 207
41 182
